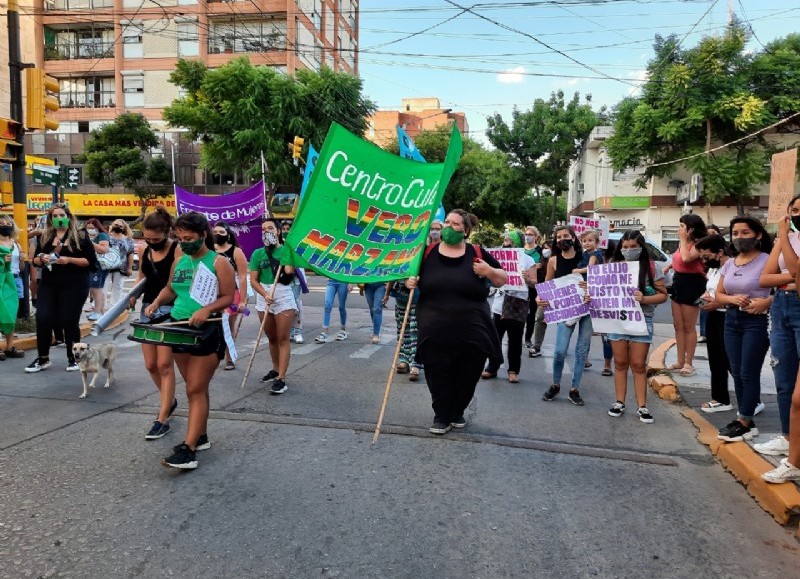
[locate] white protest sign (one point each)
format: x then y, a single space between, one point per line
613 309
581 224
564 297
511 260
205 287
228 335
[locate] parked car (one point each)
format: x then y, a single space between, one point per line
660 258
138 243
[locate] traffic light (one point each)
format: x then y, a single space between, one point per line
42 100
9 140
297 147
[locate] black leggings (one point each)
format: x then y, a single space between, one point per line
452 371
514 329
531 321
717 357
56 308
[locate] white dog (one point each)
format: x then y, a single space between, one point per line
91 358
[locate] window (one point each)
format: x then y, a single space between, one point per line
83 126
188 40
132 40
133 87
247 36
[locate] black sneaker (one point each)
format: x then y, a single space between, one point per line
644 415
440 427
271 375
278 387
72 367
736 431
575 397
617 409
173 407
459 422
182 457
38 365
159 430
534 352
528 344
551 393
203 443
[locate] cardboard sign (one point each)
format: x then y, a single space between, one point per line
781 184
613 309
581 224
564 297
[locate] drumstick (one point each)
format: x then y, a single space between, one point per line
394 366
261 327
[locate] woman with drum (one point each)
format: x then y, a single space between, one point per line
156 261
201 284
265 265
226 245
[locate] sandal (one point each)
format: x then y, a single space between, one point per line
675 366
513 377
587 365
488 375
2 356
714 406
230 366
413 375
14 353
687 371
606 372
402 368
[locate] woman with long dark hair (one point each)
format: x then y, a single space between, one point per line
97 279
631 351
226 244
155 265
746 321
688 284
66 257
196 364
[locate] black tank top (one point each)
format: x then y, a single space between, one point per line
228 253
565 266
156 273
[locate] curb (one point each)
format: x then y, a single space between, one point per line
782 501
29 342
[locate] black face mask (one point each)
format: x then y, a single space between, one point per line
6 230
712 263
565 244
117 230
796 222
221 239
157 246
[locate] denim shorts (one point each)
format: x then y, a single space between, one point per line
20 287
97 279
648 339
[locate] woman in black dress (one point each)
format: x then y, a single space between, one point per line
456 334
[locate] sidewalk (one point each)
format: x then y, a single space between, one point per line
782 501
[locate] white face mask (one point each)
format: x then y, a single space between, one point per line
92 232
269 238
546 253
530 239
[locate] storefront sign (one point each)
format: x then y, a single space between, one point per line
629 202
100 204
633 223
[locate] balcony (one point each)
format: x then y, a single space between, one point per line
229 44
95 99
79 50
56 5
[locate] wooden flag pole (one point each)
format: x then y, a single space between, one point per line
394 366
261 327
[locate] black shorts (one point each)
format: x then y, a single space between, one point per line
687 287
213 342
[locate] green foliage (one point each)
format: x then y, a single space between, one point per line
239 110
716 92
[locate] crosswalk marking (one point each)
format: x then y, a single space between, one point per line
365 352
305 349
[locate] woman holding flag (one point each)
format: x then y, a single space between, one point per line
270 265
456 334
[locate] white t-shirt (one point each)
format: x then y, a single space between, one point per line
712 282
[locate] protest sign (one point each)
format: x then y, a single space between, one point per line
366 213
564 297
581 224
781 184
611 287
243 211
511 260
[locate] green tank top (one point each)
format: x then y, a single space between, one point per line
184 305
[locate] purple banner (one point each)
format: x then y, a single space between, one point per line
242 210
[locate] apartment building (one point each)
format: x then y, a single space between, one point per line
27 48
415 115
115 56
597 190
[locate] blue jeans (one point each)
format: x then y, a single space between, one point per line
374 293
784 338
335 288
703 320
563 336
746 343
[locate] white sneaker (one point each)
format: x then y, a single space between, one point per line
759 408
777 446
322 338
73 367
298 338
342 335
784 472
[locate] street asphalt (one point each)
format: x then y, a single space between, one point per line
293 487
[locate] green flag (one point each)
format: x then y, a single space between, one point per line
366 213
9 302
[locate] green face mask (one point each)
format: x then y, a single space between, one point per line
452 237
192 247
60 222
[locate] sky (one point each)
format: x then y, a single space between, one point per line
491 56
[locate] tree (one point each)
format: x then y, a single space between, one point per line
118 153
711 94
239 110
543 141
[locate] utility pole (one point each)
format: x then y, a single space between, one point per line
15 66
